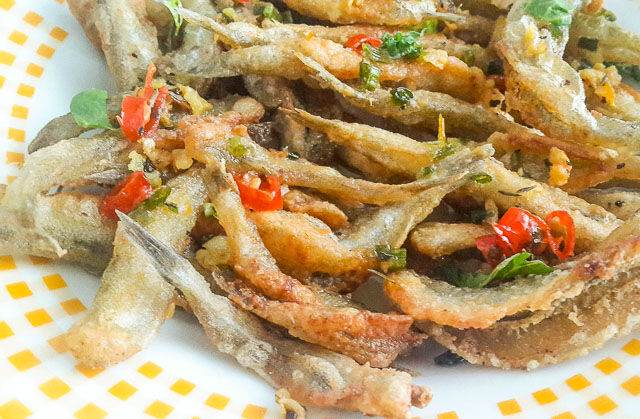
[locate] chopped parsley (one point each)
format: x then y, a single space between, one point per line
268 11
428 26
447 150
402 45
425 172
391 259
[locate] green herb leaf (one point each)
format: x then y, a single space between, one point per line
590 44
401 96
447 150
235 147
89 109
392 259
268 11
459 278
402 45
555 12
629 71
177 18
481 178
369 76
425 172
172 207
516 265
449 359
209 210
428 26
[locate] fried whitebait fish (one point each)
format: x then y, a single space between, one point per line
606 40
604 310
306 305
592 222
442 239
206 140
426 299
309 373
133 301
392 13
463 119
549 93
129 51
242 34
369 338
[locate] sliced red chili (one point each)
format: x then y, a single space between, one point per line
135 114
156 111
517 228
126 195
138 117
356 41
568 237
148 83
259 193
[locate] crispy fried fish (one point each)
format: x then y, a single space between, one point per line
312 374
133 301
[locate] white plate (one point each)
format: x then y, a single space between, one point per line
44 60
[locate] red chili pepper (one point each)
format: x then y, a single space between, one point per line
569 237
138 117
517 228
126 195
356 41
135 114
243 1
488 245
156 111
265 196
148 83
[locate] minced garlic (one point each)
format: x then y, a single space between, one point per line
199 106
535 45
436 57
560 167
214 252
603 80
181 161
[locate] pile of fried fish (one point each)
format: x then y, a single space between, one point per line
399 131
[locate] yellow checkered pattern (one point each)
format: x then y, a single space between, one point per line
43 306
